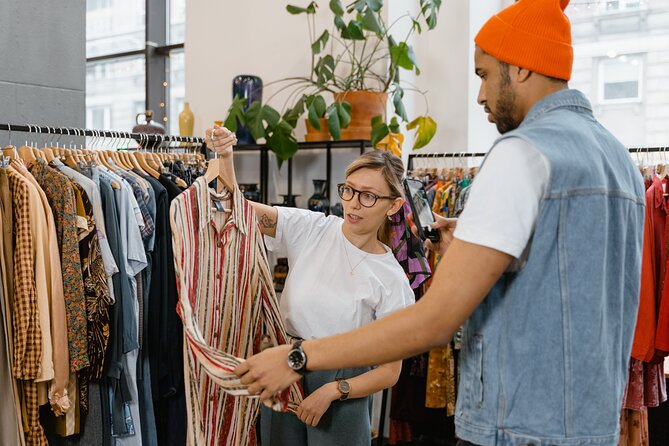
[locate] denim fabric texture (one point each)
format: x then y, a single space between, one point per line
544 357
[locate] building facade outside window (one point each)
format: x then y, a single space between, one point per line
116 72
621 62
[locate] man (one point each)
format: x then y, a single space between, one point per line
543 268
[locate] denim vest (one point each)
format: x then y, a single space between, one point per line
544 357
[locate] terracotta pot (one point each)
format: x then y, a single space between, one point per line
364 106
317 135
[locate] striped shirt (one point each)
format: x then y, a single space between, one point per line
227 304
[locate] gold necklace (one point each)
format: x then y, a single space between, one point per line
352 268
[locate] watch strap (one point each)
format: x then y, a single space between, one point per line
344 395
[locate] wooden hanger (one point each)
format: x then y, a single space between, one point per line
9 151
69 160
139 156
47 153
25 152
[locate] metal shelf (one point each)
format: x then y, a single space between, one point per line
328 146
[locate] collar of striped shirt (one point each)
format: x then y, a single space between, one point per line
205 202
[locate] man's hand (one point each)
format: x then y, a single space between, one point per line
315 405
446 228
267 373
220 140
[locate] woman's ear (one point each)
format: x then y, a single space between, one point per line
397 205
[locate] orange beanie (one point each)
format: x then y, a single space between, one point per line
532 34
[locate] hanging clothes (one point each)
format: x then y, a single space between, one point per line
62 201
165 329
634 428
48 258
25 317
226 287
11 426
646 386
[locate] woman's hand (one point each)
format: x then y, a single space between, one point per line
220 140
315 405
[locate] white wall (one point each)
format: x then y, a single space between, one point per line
258 37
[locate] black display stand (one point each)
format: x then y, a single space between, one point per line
328 146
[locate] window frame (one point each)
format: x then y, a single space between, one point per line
601 81
156 52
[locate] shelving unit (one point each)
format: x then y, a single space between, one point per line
328 146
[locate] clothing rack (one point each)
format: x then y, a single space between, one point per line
143 137
641 150
633 150
413 156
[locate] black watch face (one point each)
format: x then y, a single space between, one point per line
296 359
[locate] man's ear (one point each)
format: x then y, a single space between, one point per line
520 74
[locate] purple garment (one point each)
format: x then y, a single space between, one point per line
408 249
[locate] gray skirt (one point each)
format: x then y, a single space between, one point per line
344 423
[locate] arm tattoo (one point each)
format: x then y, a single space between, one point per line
267 222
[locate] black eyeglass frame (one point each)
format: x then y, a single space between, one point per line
340 186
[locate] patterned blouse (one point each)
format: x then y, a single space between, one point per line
227 303
60 194
98 298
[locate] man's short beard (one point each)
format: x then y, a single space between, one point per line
505 107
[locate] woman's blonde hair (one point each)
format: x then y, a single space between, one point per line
392 169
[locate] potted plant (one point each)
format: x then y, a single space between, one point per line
356 65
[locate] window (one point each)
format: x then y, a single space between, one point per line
98 117
112 26
124 76
96 5
619 5
177 21
177 89
621 63
620 79
123 88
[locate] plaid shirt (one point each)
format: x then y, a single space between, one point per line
25 318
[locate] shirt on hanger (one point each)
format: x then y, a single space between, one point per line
59 192
227 302
50 261
93 191
25 316
165 328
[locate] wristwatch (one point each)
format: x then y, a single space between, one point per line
297 358
344 388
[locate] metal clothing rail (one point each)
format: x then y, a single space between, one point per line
632 150
435 155
144 137
641 150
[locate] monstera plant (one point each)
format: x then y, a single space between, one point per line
356 66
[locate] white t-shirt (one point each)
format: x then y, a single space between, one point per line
503 204
320 297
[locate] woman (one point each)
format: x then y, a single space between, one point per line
341 277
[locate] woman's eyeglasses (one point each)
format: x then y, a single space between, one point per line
366 199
